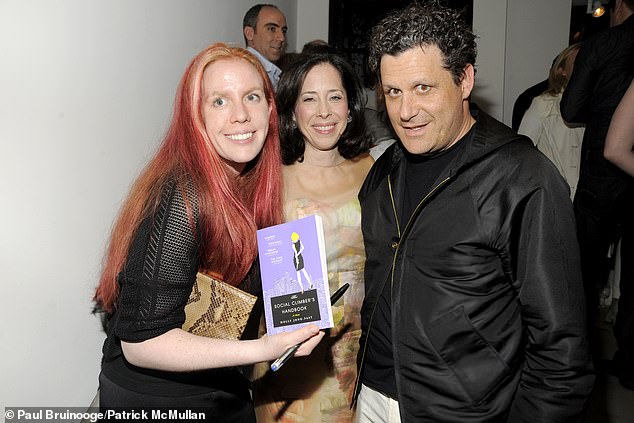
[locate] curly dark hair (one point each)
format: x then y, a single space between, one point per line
353 141
423 25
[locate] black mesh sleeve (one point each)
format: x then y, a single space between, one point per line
160 269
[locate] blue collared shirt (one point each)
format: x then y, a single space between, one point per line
271 69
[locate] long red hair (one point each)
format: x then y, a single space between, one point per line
230 210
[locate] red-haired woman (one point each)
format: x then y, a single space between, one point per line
196 206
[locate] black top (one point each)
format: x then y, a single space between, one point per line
421 173
603 71
155 284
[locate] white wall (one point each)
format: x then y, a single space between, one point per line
517 43
536 32
489 25
312 18
86 91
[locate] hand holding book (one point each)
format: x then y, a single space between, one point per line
292 350
303 340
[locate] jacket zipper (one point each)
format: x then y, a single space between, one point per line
395 246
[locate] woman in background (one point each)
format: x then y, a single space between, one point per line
195 207
543 123
325 150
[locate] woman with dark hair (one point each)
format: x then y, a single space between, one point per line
325 150
195 207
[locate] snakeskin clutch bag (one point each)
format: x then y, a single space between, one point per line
216 309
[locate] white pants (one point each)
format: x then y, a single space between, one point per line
374 407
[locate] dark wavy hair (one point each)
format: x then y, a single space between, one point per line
420 25
353 141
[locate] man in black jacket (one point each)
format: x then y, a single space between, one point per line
474 308
604 201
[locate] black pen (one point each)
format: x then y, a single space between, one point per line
339 293
275 366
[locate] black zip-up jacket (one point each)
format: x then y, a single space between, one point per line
488 314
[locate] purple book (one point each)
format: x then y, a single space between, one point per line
294 275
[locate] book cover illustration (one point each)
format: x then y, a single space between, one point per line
294 275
